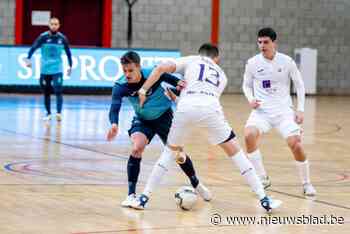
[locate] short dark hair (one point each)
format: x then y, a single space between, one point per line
130 57
267 32
208 49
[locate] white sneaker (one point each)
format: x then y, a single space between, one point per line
59 117
266 182
204 192
140 202
129 200
47 118
275 203
269 204
309 190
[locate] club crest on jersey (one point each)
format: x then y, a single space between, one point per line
60 41
279 69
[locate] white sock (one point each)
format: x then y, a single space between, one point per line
256 159
248 172
161 167
304 171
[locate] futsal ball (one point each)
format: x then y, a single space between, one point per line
186 197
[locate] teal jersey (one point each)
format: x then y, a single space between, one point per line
51 46
156 104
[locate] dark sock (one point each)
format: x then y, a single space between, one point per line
133 169
59 101
188 168
47 103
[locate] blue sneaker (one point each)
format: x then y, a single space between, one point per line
268 204
140 202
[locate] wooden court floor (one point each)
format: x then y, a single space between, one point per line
65 178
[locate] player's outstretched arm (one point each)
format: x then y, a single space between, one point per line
174 81
172 94
168 67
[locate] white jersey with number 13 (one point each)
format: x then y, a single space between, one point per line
205 82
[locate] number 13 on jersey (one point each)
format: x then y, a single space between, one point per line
209 74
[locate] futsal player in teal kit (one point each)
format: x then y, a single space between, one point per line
155 117
52 43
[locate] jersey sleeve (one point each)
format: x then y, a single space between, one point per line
37 44
117 94
298 82
182 63
67 50
170 79
248 83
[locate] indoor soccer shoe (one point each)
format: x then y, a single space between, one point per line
203 192
140 202
59 117
47 118
268 203
309 190
129 200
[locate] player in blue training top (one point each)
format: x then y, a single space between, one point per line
51 43
155 117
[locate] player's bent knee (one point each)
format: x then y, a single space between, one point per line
139 141
137 151
298 147
295 143
231 147
251 134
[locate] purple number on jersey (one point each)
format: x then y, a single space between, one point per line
201 72
212 78
266 84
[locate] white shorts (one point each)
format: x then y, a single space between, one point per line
284 123
213 121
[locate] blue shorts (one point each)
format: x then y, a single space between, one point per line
51 83
160 126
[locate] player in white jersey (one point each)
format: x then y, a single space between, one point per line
199 106
266 85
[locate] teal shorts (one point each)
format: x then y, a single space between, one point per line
160 126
